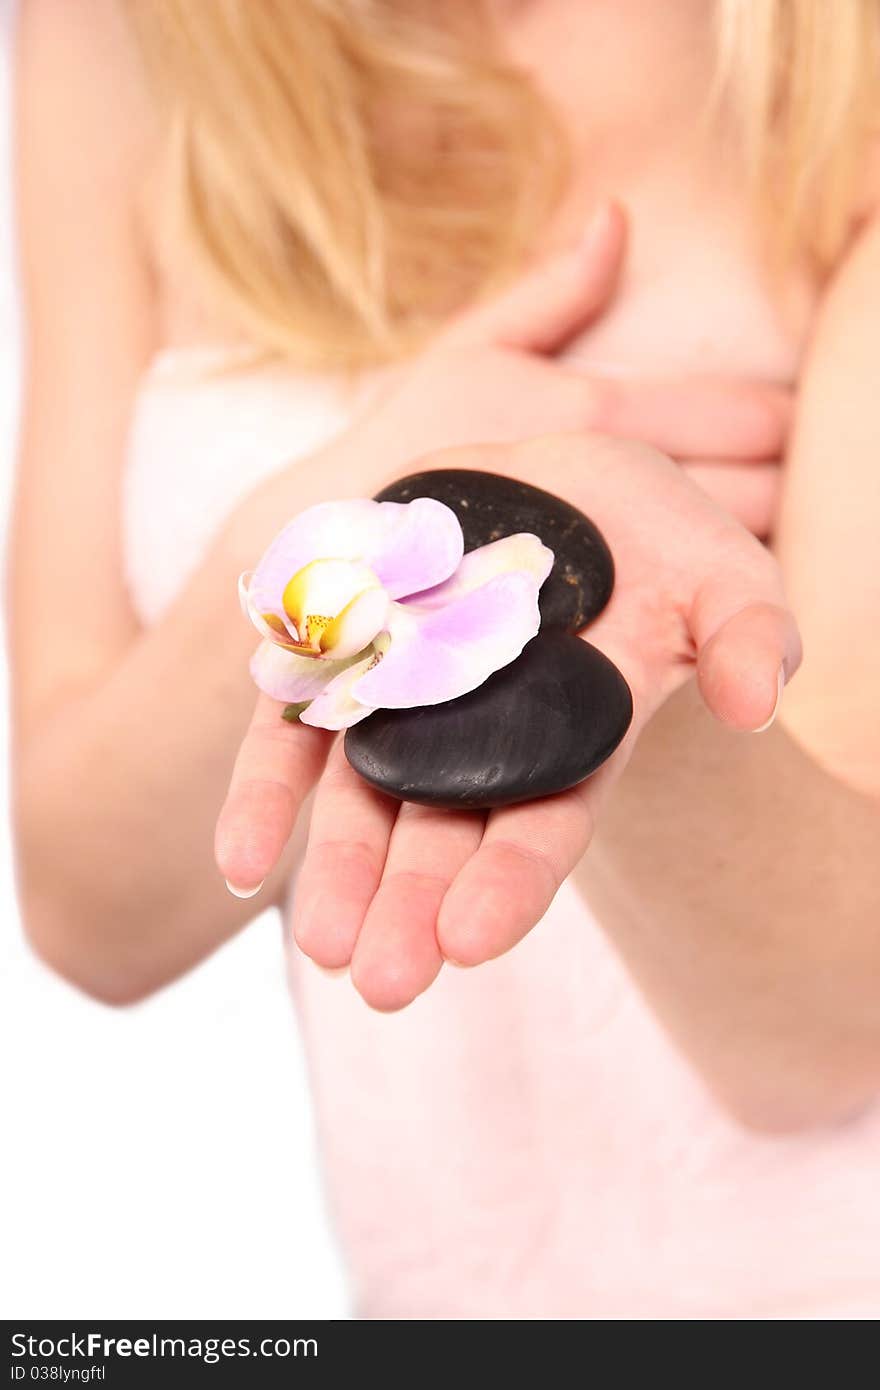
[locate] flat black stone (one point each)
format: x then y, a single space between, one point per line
490 506
538 726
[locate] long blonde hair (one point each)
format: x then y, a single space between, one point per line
349 171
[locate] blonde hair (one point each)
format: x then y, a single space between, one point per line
350 171
802 78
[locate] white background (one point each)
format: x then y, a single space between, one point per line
157 1161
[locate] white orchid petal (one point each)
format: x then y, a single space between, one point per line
357 625
290 678
325 587
336 708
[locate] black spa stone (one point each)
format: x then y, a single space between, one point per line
489 506
540 725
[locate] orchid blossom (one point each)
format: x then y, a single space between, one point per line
374 605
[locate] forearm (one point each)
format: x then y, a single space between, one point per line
117 792
740 883
118 782
739 876
119 779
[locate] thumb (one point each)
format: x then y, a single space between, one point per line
745 663
551 303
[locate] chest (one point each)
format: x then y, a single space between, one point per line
633 86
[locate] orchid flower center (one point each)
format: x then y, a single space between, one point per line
335 608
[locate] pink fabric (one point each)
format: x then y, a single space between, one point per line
523 1142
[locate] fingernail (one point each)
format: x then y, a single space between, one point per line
780 686
244 892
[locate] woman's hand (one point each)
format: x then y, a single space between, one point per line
494 377
394 890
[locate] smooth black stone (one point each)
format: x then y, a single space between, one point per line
539 725
490 506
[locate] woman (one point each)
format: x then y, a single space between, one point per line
605 1120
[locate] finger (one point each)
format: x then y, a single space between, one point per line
747 643
553 302
349 832
277 766
748 491
397 955
525 854
694 417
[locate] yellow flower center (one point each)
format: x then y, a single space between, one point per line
320 601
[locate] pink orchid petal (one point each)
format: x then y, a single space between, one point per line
410 546
247 604
438 654
523 553
422 546
336 708
290 678
244 582
331 530
284 632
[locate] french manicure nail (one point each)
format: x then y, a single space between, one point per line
780 686
244 892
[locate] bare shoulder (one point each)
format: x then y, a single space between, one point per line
91 48
84 135
85 119
85 132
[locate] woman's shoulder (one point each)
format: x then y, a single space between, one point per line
93 149
80 76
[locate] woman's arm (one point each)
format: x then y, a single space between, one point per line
749 919
740 878
394 890
122 738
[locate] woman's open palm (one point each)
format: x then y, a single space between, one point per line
392 890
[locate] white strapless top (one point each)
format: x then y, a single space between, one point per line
523 1141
